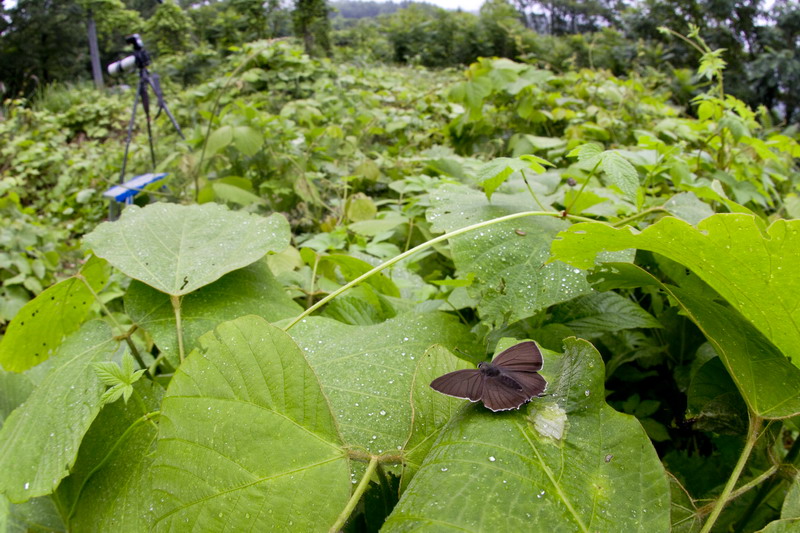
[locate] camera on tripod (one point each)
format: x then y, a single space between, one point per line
140 58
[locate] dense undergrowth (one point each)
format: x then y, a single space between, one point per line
408 215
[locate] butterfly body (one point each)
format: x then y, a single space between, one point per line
508 382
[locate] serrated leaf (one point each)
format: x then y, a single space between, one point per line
586 152
39 440
109 488
492 174
604 473
754 270
113 394
621 173
602 312
177 249
41 325
109 373
367 371
244 425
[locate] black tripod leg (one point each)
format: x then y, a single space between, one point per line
162 104
144 79
113 208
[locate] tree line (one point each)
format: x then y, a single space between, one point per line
43 41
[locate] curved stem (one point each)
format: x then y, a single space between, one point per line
585 183
360 489
176 307
420 247
753 433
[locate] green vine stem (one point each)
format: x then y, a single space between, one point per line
176 306
753 433
427 244
585 183
356 496
125 336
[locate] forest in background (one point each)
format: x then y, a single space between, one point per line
42 42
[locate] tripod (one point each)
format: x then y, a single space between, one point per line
142 60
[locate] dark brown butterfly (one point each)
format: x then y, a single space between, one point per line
509 381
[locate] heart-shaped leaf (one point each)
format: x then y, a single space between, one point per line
39 441
754 270
590 468
177 249
247 441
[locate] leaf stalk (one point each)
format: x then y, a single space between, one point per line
356 496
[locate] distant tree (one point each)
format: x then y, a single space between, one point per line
169 30
312 24
44 41
560 17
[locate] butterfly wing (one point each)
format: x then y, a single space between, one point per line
530 383
501 393
467 384
522 357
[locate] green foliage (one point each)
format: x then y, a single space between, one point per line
420 215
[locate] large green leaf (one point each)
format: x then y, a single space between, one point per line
754 270
41 325
252 290
765 378
431 409
109 487
39 441
14 390
177 249
568 461
247 441
512 279
367 371
38 515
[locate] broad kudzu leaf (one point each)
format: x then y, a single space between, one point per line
177 249
367 371
497 472
431 410
40 326
244 138
765 378
252 290
351 268
109 487
755 270
247 441
39 441
512 279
